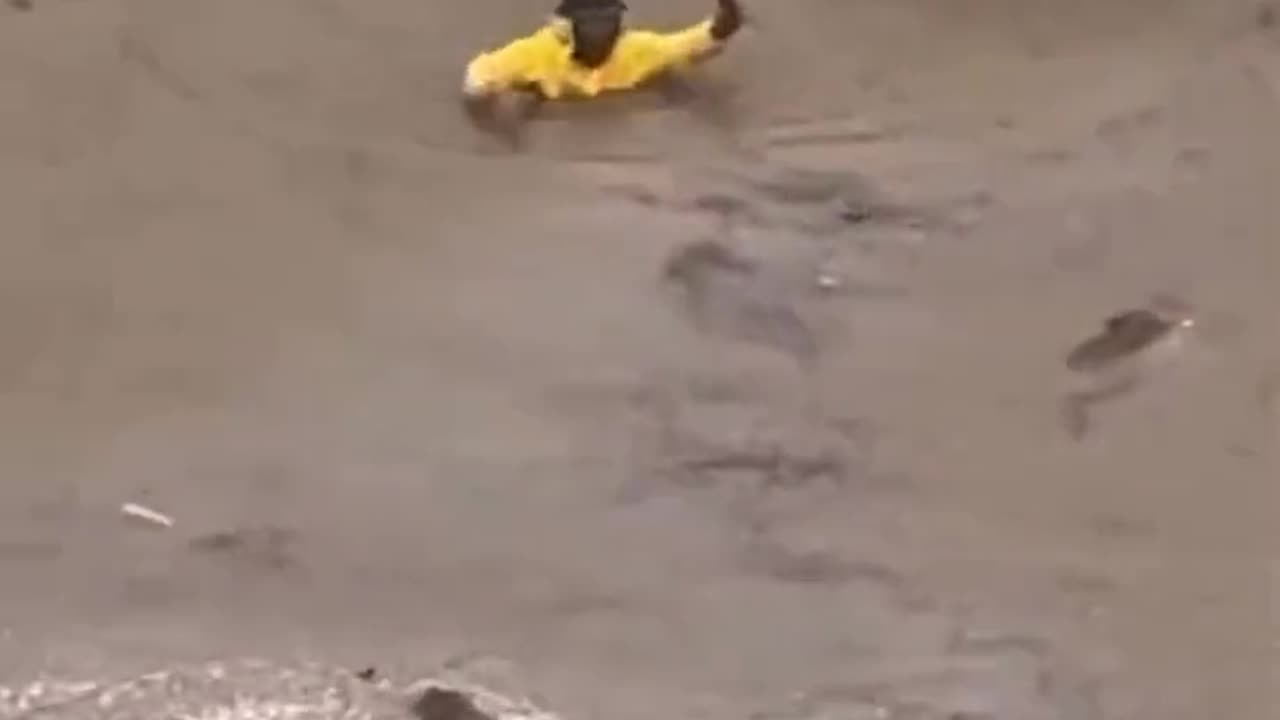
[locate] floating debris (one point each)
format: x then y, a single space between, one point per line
829 282
146 515
437 703
1124 336
1114 361
252 689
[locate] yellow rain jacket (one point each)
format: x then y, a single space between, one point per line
543 61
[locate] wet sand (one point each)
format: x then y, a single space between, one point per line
415 402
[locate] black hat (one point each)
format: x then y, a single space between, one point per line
569 8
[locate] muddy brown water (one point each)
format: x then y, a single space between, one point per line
410 399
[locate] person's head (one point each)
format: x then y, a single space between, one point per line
596 24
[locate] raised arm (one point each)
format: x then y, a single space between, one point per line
727 21
655 53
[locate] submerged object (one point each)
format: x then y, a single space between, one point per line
1131 344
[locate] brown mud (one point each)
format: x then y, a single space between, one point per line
410 399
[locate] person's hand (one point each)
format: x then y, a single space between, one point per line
518 108
728 19
503 115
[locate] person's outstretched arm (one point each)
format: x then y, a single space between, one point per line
650 54
507 73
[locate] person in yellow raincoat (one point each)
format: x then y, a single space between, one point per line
585 50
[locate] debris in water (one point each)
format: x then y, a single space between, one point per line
1123 336
256 689
146 514
1114 361
437 703
1267 17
